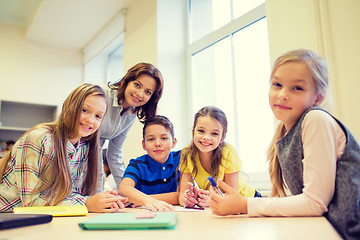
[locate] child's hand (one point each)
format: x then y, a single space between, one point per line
121 201
157 205
108 201
130 204
203 197
190 196
231 203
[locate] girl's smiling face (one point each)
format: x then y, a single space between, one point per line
139 91
91 115
207 134
292 91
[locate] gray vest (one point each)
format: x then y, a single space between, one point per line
344 209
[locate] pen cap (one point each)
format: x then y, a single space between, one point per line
212 181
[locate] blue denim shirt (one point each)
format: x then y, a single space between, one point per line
114 128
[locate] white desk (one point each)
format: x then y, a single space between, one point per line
191 225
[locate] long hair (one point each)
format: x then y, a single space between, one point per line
148 109
317 67
192 150
55 176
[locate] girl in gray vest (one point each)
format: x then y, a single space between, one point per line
314 160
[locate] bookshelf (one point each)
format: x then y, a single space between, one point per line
17 117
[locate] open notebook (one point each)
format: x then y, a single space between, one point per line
130 221
11 220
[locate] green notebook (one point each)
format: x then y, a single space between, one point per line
112 221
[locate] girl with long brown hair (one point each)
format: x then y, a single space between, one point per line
57 163
209 155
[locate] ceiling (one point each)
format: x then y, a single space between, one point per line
64 23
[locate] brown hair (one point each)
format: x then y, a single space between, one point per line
56 177
317 67
159 120
149 108
192 150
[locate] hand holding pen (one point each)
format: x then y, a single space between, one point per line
190 195
231 202
203 197
214 184
195 196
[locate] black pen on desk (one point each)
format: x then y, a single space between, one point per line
213 183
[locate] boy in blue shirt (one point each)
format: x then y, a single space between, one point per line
151 180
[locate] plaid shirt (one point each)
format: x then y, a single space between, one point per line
28 156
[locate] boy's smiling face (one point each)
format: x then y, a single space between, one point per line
158 142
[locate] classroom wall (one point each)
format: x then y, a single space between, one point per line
344 39
31 72
139 46
172 38
155 33
331 29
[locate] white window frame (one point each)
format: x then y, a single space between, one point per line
259 180
98 50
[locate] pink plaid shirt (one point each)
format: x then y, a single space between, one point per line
21 176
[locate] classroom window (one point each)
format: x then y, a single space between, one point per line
230 68
204 18
116 64
209 15
240 7
107 65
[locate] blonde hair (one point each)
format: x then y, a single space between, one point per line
317 67
55 176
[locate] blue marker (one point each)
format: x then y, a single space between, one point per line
213 183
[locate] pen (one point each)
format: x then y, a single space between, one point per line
196 207
213 183
194 184
189 191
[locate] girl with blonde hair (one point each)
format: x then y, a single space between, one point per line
314 160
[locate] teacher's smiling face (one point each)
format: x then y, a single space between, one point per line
139 91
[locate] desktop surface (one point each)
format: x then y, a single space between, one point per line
191 224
